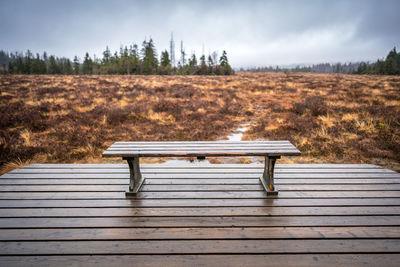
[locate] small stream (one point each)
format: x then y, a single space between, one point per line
238 133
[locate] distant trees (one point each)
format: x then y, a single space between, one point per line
127 61
389 66
318 68
20 63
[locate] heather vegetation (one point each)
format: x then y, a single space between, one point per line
330 117
130 60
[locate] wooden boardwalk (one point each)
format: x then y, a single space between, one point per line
77 214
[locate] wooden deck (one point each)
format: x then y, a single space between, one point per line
325 215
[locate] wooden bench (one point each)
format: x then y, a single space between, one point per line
132 151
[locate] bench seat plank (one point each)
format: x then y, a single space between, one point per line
201 148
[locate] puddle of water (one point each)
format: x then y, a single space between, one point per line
234 136
185 162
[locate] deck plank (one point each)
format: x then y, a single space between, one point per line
197 212
190 181
245 233
202 171
197 175
171 247
199 195
154 203
194 166
184 222
198 188
312 260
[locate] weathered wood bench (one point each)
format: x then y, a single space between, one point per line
132 151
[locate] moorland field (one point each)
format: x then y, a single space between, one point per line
331 118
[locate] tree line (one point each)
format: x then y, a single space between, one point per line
317 68
388 66
129 61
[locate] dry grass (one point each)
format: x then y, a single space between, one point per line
330 118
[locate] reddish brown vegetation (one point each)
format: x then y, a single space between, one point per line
331 118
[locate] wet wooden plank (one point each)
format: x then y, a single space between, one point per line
198 187
198 212
250 233
204 175
211 147
261 194
312 260
209 153
282 187
278 181
199 195
219 221
62 195
186 165
189 181
122 203
82 182
183 143
201 247
227 144
202 171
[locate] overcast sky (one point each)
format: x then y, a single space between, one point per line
254 33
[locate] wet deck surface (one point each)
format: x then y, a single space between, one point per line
77 214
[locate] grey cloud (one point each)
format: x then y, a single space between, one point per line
253 32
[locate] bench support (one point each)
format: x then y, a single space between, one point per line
267 179
135 177
136 180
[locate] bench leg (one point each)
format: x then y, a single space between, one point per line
267 179
135 177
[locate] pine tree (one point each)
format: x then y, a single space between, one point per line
150 62
210 63
203 66
87 64
165 61
53 66
223 62
36 65
134 59
10 67
126 61
192 68
67 67
76 65
106 55
4 58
